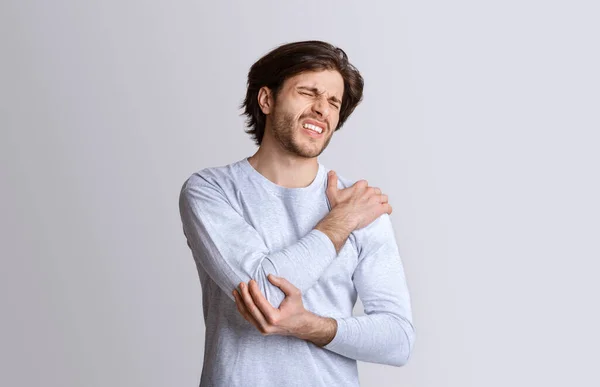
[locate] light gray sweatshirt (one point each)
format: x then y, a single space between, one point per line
240 226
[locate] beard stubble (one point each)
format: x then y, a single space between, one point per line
284 130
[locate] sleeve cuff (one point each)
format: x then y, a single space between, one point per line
337 339
327 243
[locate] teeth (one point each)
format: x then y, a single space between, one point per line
313 127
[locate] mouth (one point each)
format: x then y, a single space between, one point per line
314 128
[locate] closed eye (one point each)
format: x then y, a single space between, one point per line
313 92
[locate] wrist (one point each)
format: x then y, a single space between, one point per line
344 219
337 225
318 330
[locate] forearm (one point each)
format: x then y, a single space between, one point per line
304 262
377 338
385 334
381 338
337 225
299 260
316 329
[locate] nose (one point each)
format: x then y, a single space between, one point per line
321 107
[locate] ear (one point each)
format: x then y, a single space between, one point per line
265 100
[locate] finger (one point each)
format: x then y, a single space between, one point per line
242 309
239 303
285 285
362 184
377 190
252 308
269 312
332 181
384 198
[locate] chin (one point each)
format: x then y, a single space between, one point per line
308 152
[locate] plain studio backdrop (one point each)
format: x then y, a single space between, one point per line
480 120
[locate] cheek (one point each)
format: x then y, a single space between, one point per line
303 111
334 121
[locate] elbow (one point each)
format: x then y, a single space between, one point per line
403 347
399 358
270 292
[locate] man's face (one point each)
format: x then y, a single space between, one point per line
306 104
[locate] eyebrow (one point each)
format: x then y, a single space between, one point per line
316 91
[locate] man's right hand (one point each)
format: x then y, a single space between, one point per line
361 203
352 208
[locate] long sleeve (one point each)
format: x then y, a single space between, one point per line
231 251
385 334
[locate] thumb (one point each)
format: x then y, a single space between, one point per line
332 181
283 284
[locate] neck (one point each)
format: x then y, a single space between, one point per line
283 168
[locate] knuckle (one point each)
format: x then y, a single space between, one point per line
273 320
362 183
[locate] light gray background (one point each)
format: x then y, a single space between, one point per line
480 120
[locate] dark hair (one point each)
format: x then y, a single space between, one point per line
291 59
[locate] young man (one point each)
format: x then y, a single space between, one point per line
284 246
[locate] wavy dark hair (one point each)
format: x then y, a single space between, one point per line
291 59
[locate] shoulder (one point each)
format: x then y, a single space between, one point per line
375 236
222 178
212 185
376 233
344 181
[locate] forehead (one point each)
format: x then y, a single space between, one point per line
329 81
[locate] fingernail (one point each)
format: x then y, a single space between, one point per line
242 285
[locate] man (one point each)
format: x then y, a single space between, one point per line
284 246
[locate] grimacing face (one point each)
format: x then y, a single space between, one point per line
307 103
